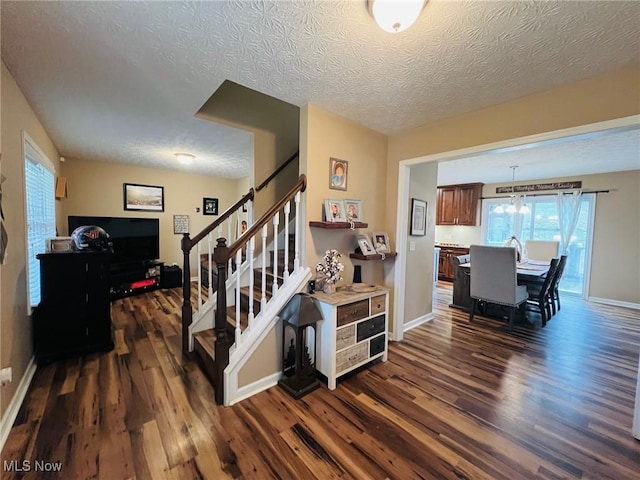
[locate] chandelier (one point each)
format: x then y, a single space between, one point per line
515 200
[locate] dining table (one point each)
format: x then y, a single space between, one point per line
527 272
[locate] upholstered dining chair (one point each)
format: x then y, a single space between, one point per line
542 249
494 279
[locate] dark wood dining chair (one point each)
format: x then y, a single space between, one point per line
554 292
539 293
494 279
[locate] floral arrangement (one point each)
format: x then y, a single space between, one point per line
330 267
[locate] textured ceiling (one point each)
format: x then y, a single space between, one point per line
584 155
121 81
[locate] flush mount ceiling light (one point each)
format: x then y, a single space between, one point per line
185 158
395 16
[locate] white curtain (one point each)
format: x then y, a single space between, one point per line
568 211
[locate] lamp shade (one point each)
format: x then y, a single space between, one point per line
395 16
301 310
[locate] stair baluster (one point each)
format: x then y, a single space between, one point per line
238 278
276 222
250 253
296 258
209 269
263 298
287 210
198 257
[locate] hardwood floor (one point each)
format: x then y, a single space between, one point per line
455 400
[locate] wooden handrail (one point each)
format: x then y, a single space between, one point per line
277 171
300 186
228 212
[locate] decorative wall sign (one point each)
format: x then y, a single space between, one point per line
181 224
538 187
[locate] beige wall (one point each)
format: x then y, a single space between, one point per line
324 135
15 325
616 236
418 282
95 188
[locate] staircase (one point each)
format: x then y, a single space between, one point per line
228 323
205 340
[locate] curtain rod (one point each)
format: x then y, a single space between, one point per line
543 194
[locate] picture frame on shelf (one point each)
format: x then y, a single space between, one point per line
338 170
147 198
418 217
365 245
353 210
209 206
334 211
381 242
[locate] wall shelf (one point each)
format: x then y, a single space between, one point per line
334 225
375 256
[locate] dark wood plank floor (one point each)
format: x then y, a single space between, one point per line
455 400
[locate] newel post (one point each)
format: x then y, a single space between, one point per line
222 345
187 311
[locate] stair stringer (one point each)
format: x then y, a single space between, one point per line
204 319
265 322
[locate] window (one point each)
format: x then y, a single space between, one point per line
40 212
541 223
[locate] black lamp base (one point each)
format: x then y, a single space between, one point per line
298 389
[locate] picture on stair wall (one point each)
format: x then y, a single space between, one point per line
210 206
338 174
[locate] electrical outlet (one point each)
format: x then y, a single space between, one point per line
412 246
5 376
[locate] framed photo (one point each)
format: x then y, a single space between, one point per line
143 197
180 224
334 211
418 217
365 245
209 206
381 242
338 174
353 210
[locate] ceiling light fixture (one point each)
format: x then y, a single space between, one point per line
524 209
395 16
185 158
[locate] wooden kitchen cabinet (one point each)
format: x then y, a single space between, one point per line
458 204
445 268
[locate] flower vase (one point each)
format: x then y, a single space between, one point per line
329 288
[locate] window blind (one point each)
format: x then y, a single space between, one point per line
41 215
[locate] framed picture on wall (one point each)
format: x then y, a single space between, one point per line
143 197
338 174
418 217
210 206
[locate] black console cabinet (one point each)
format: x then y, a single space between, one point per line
74 315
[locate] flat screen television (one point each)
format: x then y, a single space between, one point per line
134 239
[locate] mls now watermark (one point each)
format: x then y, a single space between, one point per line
29 466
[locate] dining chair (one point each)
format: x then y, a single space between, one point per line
539 294
542 249
494 280
554 292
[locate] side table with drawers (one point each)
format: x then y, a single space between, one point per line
353 331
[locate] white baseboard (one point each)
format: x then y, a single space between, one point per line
615 303
12 410
418 321
257 387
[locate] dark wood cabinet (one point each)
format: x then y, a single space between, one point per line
445 267
458 204
74 314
